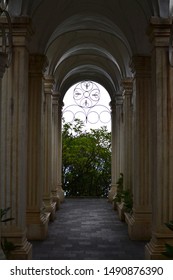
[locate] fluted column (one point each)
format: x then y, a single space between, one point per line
3 61
119 135
113 189
37 220
49 204
59 149
139 224
162 138
127 89
55 189
13 148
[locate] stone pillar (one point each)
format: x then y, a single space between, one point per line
59 150
126 142
117 161
119 135
162 138
37 220
55 188
127 89
113 189
139 223
3 61
49 204
13 146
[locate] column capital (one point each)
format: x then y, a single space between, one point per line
127 86
3 64
21 29
48 84
119 100
57 99
159 31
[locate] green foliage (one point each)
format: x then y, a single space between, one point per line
127 199
86 160
124 196
119 183
6 245
169 248
3 212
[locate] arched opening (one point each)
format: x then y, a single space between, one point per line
86 140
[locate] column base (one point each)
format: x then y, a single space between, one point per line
56 199
155 248
51 209
37 229
139 226
23 253
112 193
60 193
23 250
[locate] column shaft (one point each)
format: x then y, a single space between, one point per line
112 191
162 135
139 224
127 89
49 204
3 61
55 132
13 148
37 220
59 150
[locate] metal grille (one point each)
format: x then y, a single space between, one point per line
87 106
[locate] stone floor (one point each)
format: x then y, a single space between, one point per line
87 229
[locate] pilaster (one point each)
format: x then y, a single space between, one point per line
127 91
13 146
49 204
59 149
113 188
162 135
119 135
36 219
55 188
139 223
3 61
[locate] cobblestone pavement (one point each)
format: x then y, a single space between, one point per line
87 229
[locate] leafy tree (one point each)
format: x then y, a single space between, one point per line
86 160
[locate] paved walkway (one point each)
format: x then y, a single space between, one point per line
87 229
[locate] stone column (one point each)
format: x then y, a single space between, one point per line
59 149
119 135
127 89
3 61
126 141
162 138
13 146
55 188
113 189
49 204
139 223
37 220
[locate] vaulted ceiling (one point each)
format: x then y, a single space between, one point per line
90 39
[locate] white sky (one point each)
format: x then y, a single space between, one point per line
97 116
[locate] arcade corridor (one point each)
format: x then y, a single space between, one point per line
87 229
46 47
